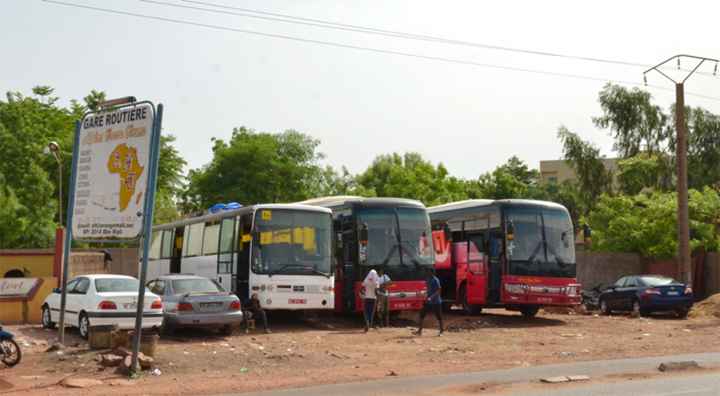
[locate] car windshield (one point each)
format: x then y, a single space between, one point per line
292 242
543 242
393 233
182 286
111 285
657 280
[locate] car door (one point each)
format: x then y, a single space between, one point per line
77 300
56 302
612 295
629 293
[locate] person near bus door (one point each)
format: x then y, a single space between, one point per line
369 297
384 283
433 302
253 307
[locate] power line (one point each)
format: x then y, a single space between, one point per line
361 48
286 18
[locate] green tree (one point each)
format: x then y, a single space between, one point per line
643 171
647 223
170 181
703 148
27 124
254 167
636 124
593 178
411 176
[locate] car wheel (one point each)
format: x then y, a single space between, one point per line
604 308
636 310
226 330
529 312
682 313
167 328
84 325
46 319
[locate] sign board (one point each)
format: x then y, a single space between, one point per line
18 288
112 173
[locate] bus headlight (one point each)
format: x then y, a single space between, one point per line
515 288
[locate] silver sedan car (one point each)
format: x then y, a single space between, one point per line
194 301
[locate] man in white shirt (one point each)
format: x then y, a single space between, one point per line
384 283
370 285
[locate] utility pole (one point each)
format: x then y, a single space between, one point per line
681 154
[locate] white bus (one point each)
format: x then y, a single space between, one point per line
282 252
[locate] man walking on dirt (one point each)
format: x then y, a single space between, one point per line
369 296
433 302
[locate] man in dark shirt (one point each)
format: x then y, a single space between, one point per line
433 302
252 306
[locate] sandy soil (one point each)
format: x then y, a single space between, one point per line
334 349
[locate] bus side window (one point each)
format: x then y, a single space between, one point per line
155 244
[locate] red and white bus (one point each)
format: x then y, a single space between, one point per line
389 233
516 254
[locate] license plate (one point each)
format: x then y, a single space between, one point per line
212 306
130 305
673 293
297 301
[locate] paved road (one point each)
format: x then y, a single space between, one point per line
442 384
707 384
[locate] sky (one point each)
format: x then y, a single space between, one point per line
360 103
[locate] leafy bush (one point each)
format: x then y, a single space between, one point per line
647 223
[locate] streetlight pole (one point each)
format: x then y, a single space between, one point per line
681 153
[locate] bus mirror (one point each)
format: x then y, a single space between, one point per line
364 234
510 230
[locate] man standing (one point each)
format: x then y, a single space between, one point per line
433 302
253 307
370 285
383 302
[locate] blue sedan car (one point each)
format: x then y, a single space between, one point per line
644 294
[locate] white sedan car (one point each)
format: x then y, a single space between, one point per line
94 300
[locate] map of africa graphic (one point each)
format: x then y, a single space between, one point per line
123 161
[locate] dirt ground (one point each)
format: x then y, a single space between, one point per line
333 349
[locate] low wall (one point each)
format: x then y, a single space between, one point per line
712 274
595 268
17 312
82 263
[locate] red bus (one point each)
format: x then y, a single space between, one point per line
389 233
515 254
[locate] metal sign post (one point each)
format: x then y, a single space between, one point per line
147 229
68 235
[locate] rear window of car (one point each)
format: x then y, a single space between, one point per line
182 286
110 285
657 280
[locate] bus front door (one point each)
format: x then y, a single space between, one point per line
226 254
476 273
242 288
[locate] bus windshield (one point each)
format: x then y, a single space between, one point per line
543 243
291 242
396 237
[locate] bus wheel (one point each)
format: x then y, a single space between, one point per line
469 309
529 312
